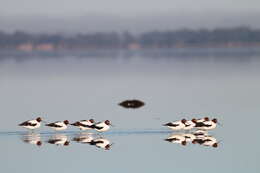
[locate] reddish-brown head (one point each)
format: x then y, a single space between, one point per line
107 122
39 143
39 119
66 122
215 145
194 120
183 120
215 120
91 120
107 147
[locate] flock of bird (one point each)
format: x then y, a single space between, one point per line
200 136
62 125
202 124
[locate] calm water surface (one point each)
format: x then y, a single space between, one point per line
174 84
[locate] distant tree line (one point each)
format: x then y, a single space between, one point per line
155 39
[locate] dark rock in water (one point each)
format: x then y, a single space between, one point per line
132 104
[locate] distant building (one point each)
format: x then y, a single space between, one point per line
45 47
133 46
27 47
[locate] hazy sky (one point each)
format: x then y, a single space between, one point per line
123 7
72 16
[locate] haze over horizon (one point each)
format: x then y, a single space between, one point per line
64 16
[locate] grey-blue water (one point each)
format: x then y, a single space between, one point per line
175 84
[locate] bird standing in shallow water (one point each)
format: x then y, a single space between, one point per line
207 125
32 124
177 125
84 124
58 125
102 126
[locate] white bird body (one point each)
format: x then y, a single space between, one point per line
32 124
201 120
102 126
189 125
177 125
84 124
208 125
58 125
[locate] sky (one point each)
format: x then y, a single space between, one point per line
135 15
122 7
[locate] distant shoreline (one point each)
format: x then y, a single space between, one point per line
184 38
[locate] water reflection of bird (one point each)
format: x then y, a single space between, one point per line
84 124
200 133
101 143
58 125
59 139
197 137
189 137
177 125
102 126
83 138
32 138
32 124
206 141
176 138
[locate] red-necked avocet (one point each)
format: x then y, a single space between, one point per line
32 124
58 125
177 125
84 124
102 126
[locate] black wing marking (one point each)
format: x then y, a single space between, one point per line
97 127
96 142
53 141
53 125
172 139
27 123
84 125
200 124
171 124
